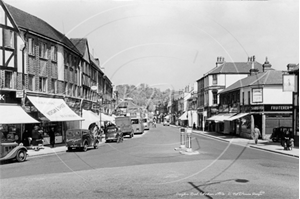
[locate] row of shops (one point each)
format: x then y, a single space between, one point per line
20 112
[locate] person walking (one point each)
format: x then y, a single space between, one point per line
256 134
52 136
35 135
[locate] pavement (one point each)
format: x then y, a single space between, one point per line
266 145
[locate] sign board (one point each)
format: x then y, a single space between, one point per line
257 95
19 94
289 83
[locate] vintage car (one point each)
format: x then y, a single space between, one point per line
81 139
12 151
113 133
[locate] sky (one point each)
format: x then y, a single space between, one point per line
171 44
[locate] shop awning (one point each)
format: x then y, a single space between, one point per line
220 117
238 116
184 116
105 117
89 118
55 110
14 114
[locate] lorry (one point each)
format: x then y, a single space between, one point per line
124 123
81 139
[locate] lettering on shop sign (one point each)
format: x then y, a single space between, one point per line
2 97
56 109
281 108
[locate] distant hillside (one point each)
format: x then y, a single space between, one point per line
143 95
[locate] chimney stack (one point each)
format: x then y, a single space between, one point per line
266 66
253 71
220 61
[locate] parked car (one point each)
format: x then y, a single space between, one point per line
81 139
12 151
146 124
113 133
124 123
278 132
137 125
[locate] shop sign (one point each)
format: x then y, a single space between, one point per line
278 108
19 94
289 83
257 108
8 97
257 95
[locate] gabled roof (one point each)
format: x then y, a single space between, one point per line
234 68
270 77
38 26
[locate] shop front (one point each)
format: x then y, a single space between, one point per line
217 123
267 117
13 117
51 112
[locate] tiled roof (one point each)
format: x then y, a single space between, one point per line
80 44
270 77
235 68
32 23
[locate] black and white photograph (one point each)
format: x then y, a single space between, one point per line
166 99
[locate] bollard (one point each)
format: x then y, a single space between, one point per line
182 139
188 143
189 140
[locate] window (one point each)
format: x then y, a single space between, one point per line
70 89
249 97
8 79
43 84
31 82
243 98
43 50
8 38
31 46
66 88
215 97
53 86
53 53
215 79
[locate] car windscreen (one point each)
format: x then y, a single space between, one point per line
134 121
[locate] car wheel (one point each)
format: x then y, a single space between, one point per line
21 156
85 147
96 145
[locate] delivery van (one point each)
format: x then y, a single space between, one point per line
137 125
124 123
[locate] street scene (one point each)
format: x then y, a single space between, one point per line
149 99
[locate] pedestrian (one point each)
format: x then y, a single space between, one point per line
35 136
256 134
52 136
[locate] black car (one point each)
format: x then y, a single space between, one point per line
278 132
113 133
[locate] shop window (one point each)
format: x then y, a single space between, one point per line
31 46
43 84
43 53
8 38
70 89
31 82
